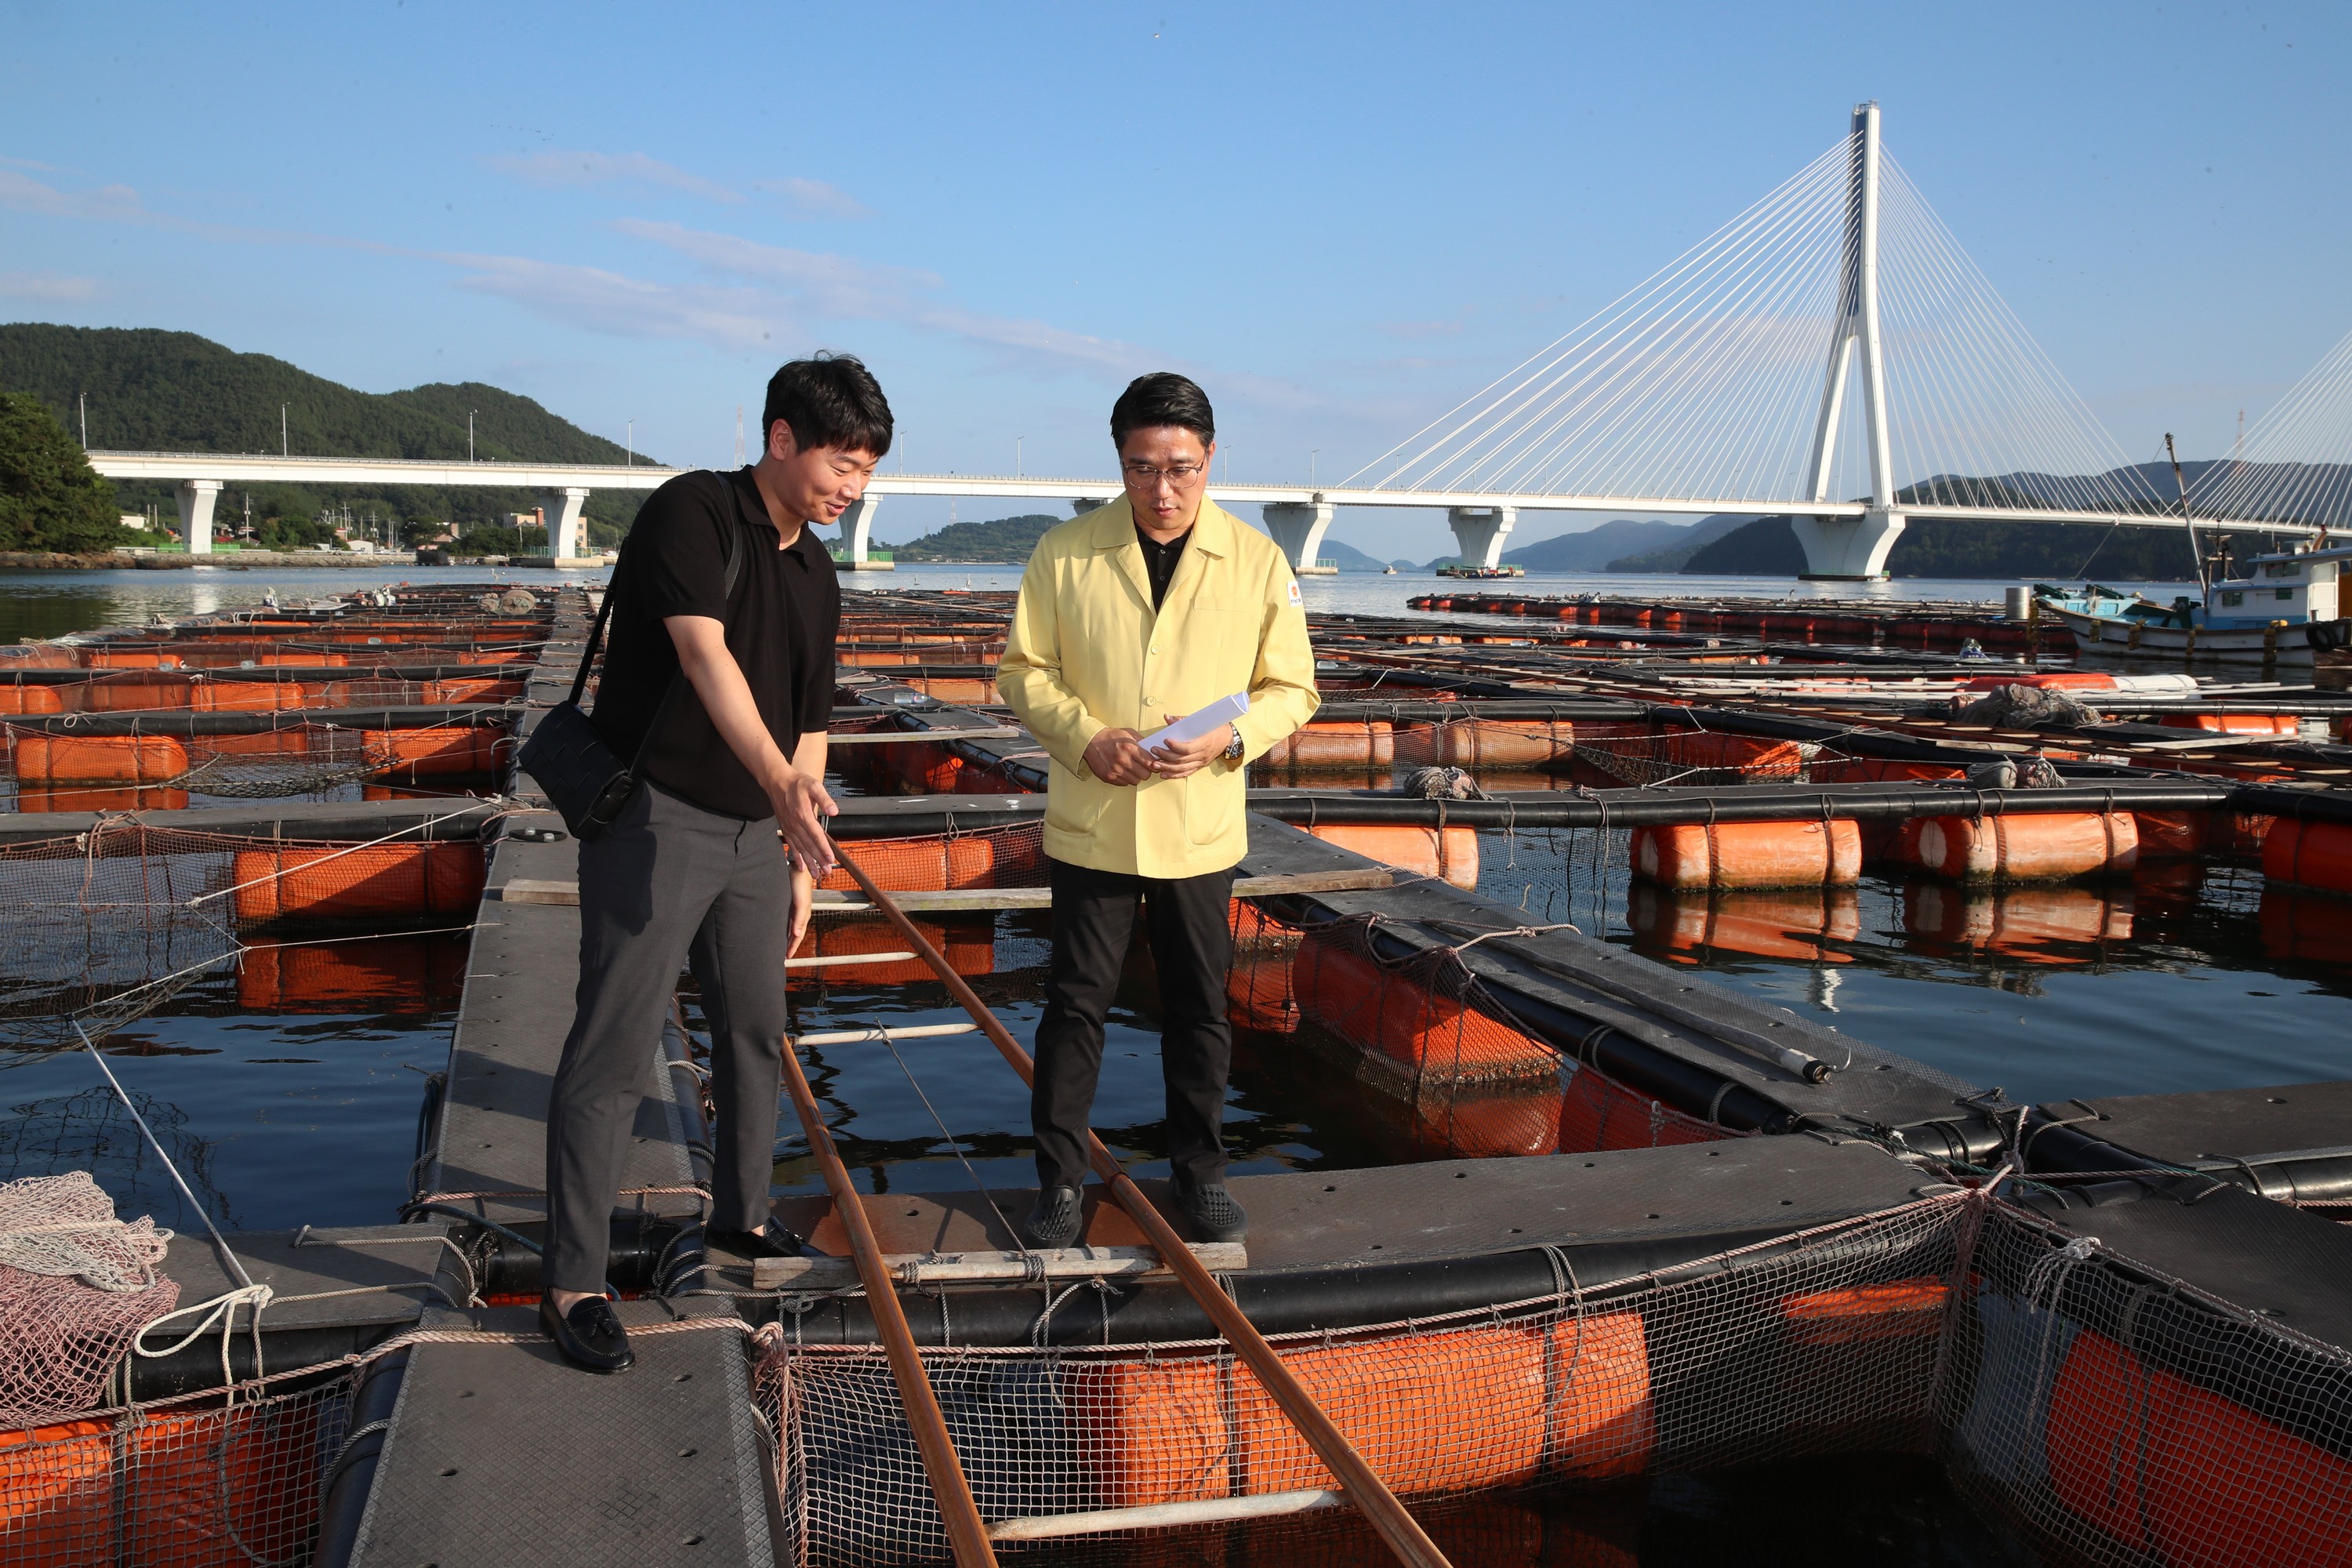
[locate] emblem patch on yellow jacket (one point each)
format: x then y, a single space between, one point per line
1294 591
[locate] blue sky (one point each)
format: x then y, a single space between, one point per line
1339 219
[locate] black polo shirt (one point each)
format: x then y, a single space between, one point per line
782 621
1161 561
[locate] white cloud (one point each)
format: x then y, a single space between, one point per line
52 288
27 194
843 286
610 302
559 168
814 198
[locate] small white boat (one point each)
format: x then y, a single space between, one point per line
2284 607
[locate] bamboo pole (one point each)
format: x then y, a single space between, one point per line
1363 1487
967 1532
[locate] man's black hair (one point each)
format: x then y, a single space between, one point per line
832 400
1163 398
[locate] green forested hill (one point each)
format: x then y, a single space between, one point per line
149 390
1011 539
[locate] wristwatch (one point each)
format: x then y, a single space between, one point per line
1234 748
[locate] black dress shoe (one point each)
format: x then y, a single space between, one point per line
1053 1222
589 1335
770 1240
1215 1214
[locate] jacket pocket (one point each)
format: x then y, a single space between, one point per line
1213 799
1074 803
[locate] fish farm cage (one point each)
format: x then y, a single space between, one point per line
1589 1206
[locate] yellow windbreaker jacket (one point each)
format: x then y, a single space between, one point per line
1086 653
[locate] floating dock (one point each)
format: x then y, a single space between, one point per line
1630 1222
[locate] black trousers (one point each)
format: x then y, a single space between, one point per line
1189 923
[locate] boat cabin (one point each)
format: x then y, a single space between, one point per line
2295 587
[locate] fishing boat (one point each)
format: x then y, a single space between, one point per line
2277 612
1455 569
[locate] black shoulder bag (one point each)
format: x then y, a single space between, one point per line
568 759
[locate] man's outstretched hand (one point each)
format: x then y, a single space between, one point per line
1116 756
802 805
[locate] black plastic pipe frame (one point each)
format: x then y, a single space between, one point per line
1674 808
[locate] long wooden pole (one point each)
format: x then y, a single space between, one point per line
1363 1487
967 1532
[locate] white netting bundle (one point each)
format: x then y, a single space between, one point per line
75 1284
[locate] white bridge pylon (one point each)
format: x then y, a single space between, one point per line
1725 382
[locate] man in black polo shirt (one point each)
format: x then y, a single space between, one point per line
692 870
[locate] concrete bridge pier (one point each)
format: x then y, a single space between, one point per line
857 536
1847 549
561 509
197 499
1481 530
1299 527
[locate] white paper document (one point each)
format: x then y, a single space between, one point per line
1193 726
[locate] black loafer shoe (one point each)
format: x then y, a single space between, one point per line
589 1335
770 1240
1215 1214
1054 1223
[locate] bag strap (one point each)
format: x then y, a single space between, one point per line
728 551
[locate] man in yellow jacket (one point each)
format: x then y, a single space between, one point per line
1131 618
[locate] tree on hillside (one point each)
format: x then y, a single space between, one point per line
50 499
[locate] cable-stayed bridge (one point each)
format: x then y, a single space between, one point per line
1831 355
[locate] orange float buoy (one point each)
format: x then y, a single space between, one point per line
1450 854
135 696
98 759
1902 1308
1379 1009
1748 854
969 946
250 696
1485 743
59 1494
1346 744
434 752
470 688
2309 854
1597 1112
2040 848
2048 680
2233 723
384 879
1473 1124
2172 834
932 865
1877 769
1174 1430
221 1488
17 697
2181 1474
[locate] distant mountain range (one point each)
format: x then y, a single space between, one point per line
2045 552
1621 545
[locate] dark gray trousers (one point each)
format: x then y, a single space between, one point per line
668 885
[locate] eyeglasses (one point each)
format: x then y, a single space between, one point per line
1180 474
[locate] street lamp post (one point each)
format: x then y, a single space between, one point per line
469 434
